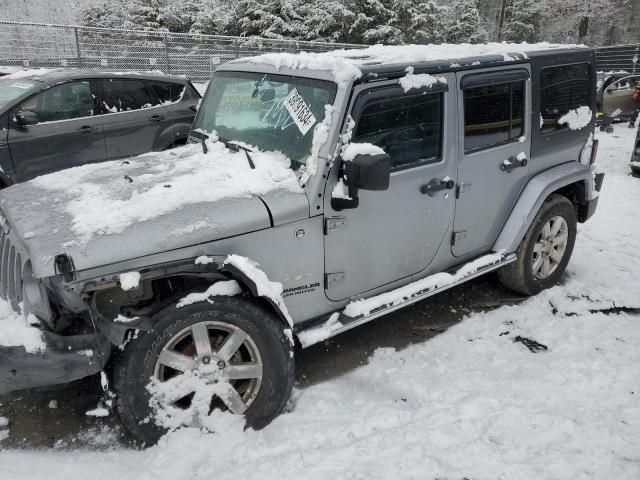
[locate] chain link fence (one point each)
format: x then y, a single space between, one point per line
196 56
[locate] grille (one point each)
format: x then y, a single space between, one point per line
11 268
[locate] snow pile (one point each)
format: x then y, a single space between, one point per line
321 332
320 137
577 119
437 280
352 150
106 198
345 65
16 329
421 80
34 72
265 287
340 190
129 280
204 260
205 382
227 288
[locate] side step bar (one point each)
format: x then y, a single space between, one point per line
393 300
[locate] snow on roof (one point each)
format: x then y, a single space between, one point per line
346 65
34 72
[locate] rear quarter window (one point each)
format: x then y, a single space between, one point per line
168 92
563 88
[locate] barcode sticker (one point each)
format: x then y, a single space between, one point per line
299 111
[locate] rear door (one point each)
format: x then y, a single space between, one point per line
181 102
495 143
68 131
396 233
133 119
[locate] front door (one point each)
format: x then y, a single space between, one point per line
494 145
67 133
396 233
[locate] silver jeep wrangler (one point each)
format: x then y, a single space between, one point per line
318 192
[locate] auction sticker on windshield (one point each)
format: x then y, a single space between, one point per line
299 111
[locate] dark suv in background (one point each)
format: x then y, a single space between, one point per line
56 119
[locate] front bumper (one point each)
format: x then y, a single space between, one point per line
66 358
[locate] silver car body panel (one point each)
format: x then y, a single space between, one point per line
532 197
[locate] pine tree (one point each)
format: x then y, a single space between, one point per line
522 21
110 14
420 21
180 15
373 21
144 14
464 22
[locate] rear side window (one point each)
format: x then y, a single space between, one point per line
493 114
407 128
167 92
563 88
125 95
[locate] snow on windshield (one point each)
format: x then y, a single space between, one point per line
109 197
345 65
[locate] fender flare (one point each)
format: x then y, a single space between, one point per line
533 196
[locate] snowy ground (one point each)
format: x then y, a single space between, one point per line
470 403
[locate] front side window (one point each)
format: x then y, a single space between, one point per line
563 88
61 102
11 90
493 114
269 112
123 95
407 128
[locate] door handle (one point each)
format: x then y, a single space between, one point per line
513 163
85 129
436 185
156 118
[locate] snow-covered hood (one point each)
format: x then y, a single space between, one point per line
113 211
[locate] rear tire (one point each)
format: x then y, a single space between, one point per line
543 253
174 332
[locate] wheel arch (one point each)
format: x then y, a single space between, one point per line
572 180
160 288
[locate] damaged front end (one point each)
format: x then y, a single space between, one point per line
72 350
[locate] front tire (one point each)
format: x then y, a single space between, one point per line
545 251
233 342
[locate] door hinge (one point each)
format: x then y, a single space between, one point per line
333 223
333 279
458 236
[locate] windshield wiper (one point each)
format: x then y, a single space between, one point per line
234 147
200 135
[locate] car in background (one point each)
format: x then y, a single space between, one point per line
615 96
56 119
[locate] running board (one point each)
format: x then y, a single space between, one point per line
396 299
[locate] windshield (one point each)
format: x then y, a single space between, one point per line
12 89
270 112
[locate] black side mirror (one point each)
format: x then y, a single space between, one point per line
26 117
366 172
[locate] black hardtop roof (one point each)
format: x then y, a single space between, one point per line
377 71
